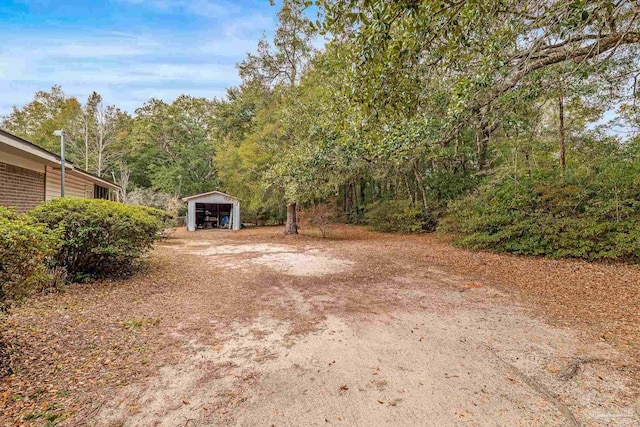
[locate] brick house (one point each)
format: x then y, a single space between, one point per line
30 175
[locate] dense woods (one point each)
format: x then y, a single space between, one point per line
512 123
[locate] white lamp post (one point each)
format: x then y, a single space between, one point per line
60 133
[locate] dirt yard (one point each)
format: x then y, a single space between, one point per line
253 328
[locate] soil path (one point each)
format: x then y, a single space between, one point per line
255 329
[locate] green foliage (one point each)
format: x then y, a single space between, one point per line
37 120
25 249
591 214
160 214
8 213
397 122
155 199
173 146
396 216
95 134
99 238
166 218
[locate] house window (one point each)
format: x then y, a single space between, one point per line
100 192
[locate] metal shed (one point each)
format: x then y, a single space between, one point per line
214 209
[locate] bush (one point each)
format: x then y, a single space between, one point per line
168 220
155 199
320 215
24 251
99 238
590 215
397 216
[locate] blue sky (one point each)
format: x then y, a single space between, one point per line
126 50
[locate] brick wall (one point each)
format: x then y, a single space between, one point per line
20 187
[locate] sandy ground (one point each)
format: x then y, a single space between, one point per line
252 328
444 352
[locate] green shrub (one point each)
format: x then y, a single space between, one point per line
8 213
396 216
163 216
99 238
592 214
168 221
24 250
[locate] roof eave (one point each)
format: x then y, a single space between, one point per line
21 146
96 179
27 149
208 193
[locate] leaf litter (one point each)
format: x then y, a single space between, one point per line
71 351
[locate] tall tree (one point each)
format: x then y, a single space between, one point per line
108 121
486 51
36 120
85 124
279 67
174 145
91 128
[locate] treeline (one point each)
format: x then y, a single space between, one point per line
162 152
488 114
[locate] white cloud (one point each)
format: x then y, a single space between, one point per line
255 24
204 8
123 67
122 61
98 49
230 48
127 68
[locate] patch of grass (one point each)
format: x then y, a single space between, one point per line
50 417
52 406
46 415
37 392
139 323
62 393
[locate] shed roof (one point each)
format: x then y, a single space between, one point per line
197 196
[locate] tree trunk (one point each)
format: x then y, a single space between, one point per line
409 192
291 227
86 149
123 181
561 131
363 200
482 143
418 178
348 201
354 200
483 135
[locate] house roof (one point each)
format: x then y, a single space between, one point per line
30 150
197 196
